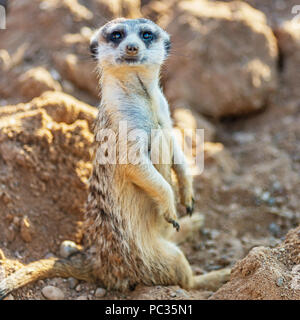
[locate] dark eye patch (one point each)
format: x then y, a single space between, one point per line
148 37
115 36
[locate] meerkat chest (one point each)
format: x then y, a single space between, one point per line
161 134
160 110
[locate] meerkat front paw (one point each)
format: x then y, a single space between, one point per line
175 224
171 217
187 195
168 211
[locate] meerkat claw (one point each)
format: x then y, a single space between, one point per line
175 224
190 209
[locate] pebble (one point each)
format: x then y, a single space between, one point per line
182 293
49 255
52 293
265 196
72 282
100 292
78 288
275 229
26 229
280 282
67 248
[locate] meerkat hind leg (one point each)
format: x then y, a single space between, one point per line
213 280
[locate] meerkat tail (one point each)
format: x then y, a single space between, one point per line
47 268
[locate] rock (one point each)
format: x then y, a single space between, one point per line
77 71
78 288
67 248
26 229
52 293
36 81
49 255
100 292
288 37
265 273
182 293
280 282
227 57
72 282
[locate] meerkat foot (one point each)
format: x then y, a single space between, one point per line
212 280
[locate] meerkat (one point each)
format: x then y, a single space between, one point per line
131 227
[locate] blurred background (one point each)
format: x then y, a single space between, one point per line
233 71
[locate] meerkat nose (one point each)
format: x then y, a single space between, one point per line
132 49
93 49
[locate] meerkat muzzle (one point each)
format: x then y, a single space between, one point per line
132 49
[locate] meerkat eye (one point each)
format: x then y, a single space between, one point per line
116 36
147 35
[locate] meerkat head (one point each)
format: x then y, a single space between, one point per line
130 42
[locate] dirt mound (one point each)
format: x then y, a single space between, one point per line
44 165
266 273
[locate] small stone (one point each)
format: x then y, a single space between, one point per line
49 255
271 201
26 229
6 198
275 229
67 248
173 294
100 292
52 293
72 282
78 288
181 293
280 282
16 221
265 196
